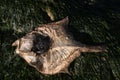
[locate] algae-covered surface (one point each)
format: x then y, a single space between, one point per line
91 22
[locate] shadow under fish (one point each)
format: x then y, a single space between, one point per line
50 48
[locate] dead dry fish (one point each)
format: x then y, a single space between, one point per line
50 49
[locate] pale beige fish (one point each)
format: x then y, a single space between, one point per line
62 51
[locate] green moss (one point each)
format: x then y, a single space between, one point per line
99 18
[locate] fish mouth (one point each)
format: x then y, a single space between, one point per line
41 43
33 42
